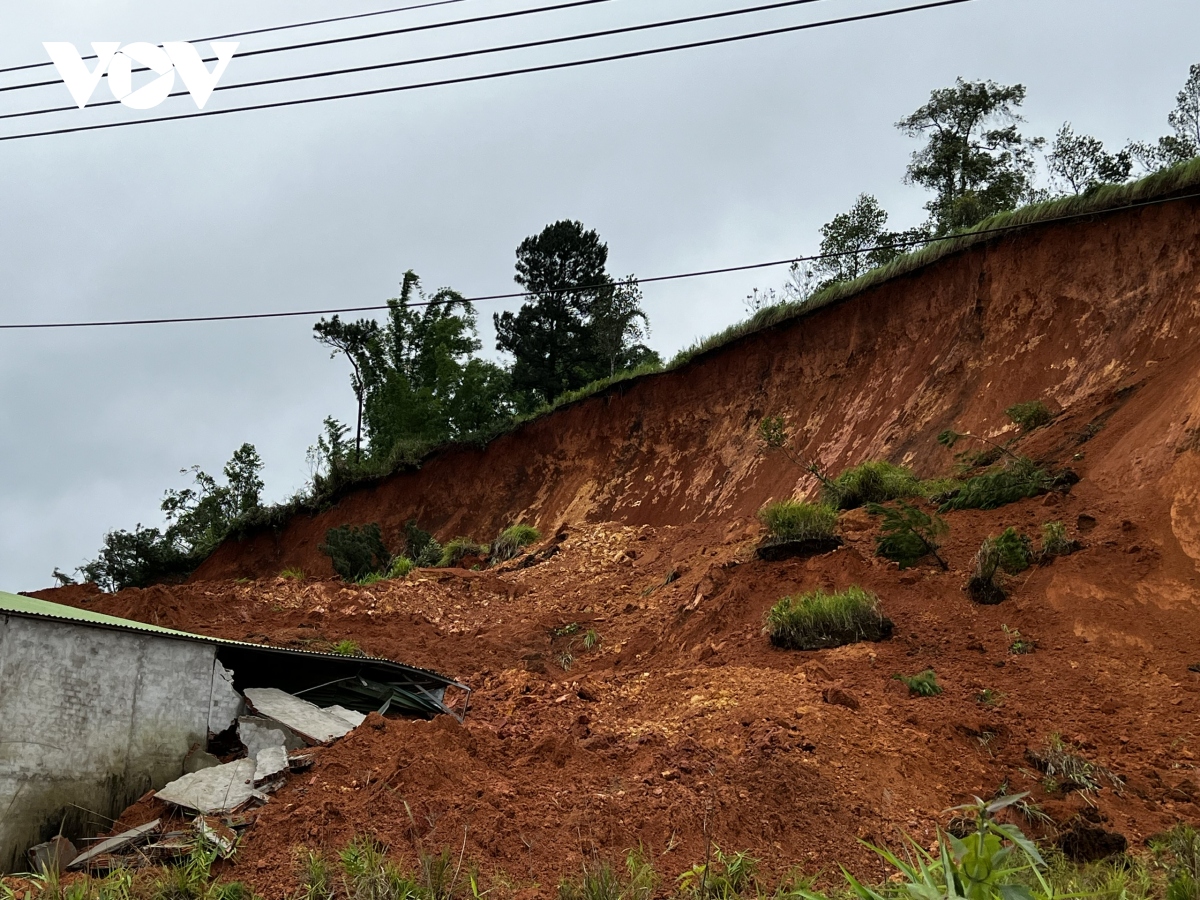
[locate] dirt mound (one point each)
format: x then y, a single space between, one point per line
624 692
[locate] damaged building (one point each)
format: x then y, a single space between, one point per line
95 711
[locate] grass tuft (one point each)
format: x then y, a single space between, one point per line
1029 415
400 568
793 520
458 550
293 574
347 648
923 684
513 540
818 620
874 481
1017 479
1055 542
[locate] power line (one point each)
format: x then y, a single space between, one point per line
914 242
525 45
391 32
273 28
466 79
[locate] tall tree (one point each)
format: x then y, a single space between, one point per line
1081 164
578 324
353 339
1184 142
975 158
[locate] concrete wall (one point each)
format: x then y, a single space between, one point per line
91 719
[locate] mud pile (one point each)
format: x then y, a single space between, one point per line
625 693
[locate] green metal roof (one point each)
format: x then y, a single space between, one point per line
31 607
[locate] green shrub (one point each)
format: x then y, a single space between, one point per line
1011 552
347 648
458 550
1029 415
1015 550
908 533
818 620
923 684
1055 541
423 550
373 578
400 567
1017 479
871 482
356 552
513 540
939 490
722 878
793 520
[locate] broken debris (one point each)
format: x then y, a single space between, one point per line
219 789
306 719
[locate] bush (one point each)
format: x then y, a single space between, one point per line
908 534
818 620
458 550
356 552
423 550
512 540
1011 552
792 520
921 685
1018 479
1029 415
1055 541
400 567
871 482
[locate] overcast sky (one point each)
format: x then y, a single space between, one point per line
687 161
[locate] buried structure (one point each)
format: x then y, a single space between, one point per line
96 710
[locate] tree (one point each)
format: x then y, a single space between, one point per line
975 159
352 339
423 383
1082 164
855 242
578 325
1184 143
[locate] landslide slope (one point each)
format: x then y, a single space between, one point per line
682 723
1074 314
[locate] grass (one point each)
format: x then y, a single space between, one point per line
875 481
818 620
1018 645
401 567
923 684
1029 415
459 549
513 540
347 648
293 574
1065 768
1010 552
794 520
1055 542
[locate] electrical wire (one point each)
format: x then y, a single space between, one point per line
914 242
273 28
463 54
467 79
346 39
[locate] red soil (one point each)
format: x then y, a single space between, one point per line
684 713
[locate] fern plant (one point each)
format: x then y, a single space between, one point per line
908 534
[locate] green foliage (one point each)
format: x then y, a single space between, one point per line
347 647
1029 415
1183 143
400 567
315 880
512 540
923 684
1177 853
773 432
356 552
793 520
721 878
293 574
1017 479
578 324
975 159
458 550
1055 541
367 874
198 519
1064 767
871 482
908 534
818 620
423 550
854 242
591 640
1080 164
1014 551
601 880
1011 552
992 862
1018 645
